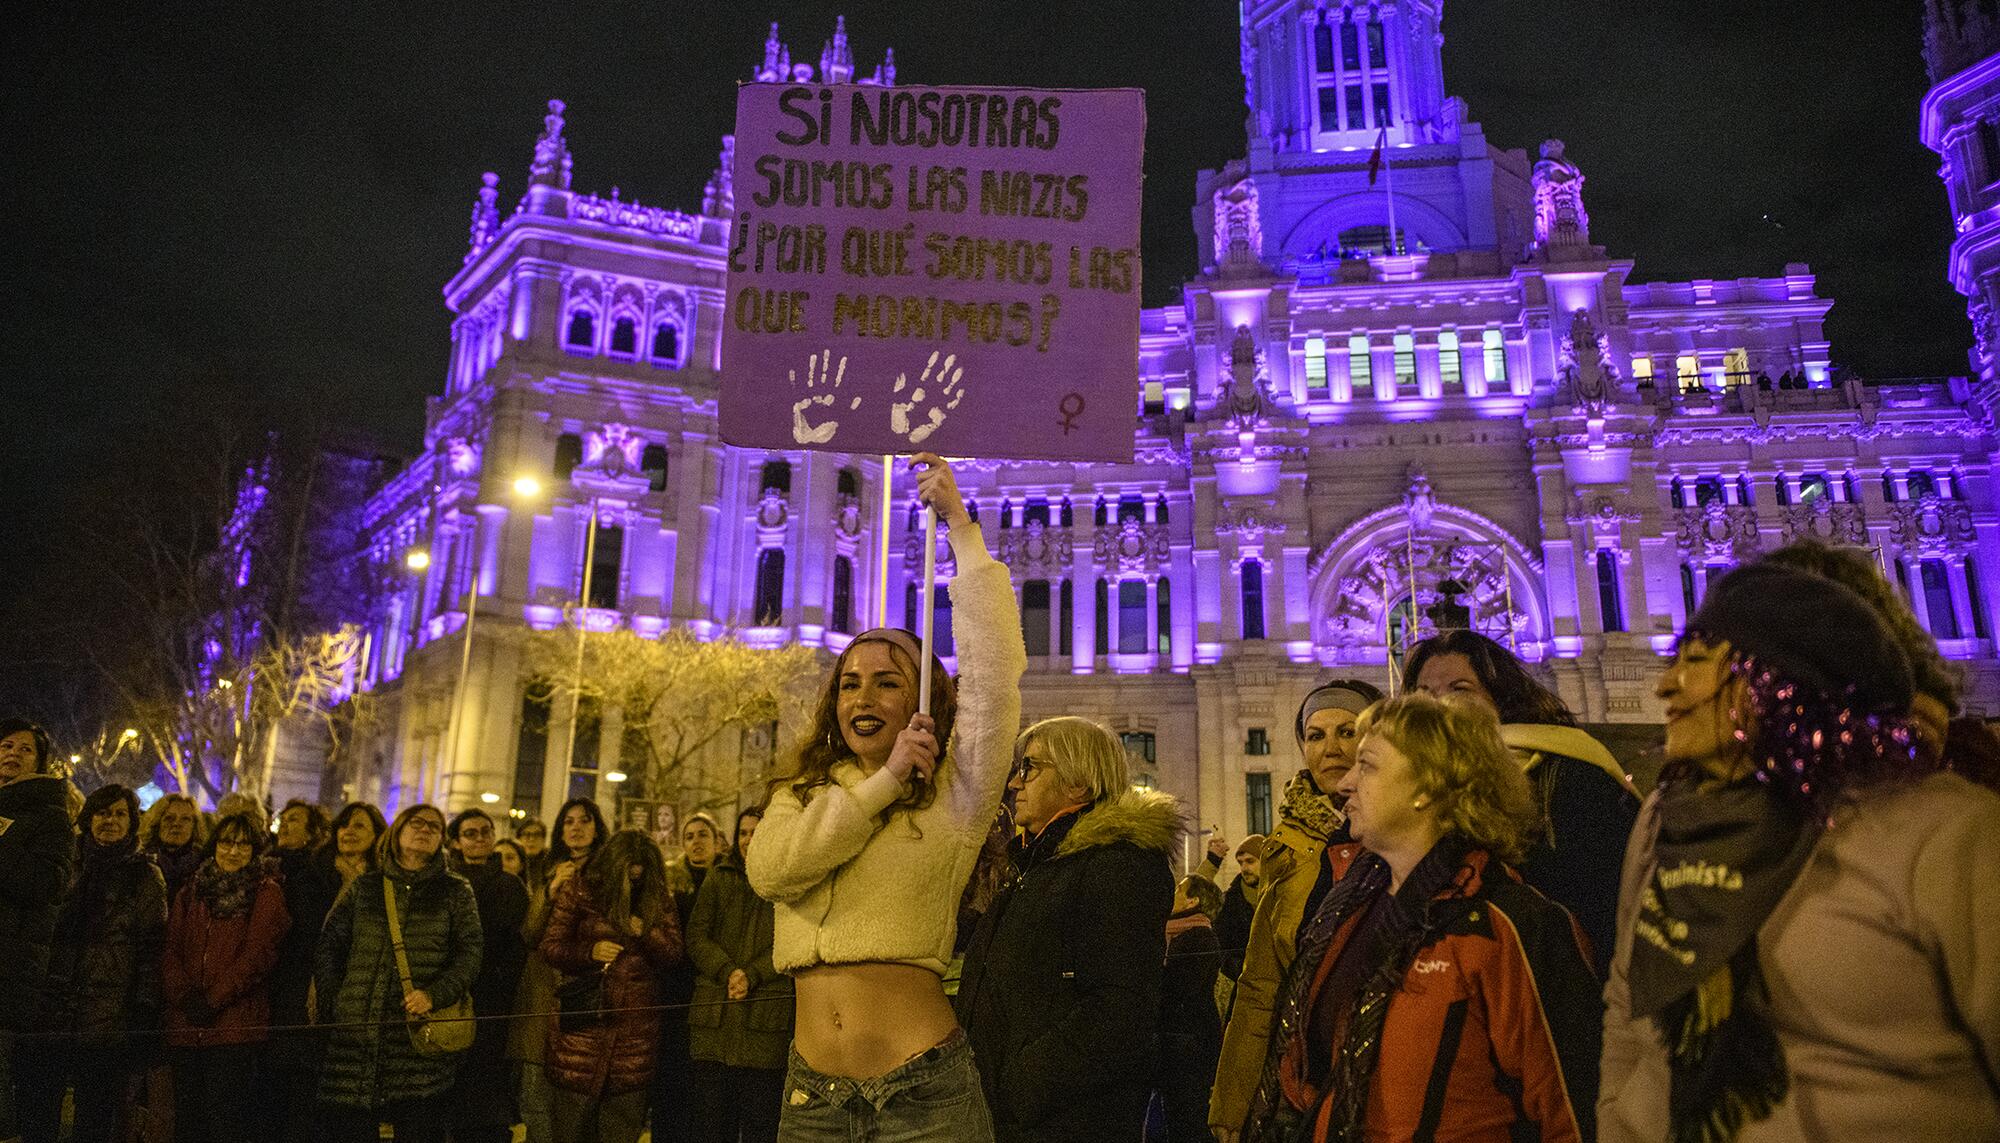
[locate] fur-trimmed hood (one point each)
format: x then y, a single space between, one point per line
1145 818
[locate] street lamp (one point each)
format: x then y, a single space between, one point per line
489 797
417 559
527 487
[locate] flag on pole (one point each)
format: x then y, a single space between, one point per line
1375 160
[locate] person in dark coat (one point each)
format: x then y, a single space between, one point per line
223 935
1190 1026
371 1072
741 1021
175 835
1239 904
580 832
1061 988
1588 804
37 846
673 1065
313 878
482 1101
104 978
616 921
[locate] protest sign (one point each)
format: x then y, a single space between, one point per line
944 268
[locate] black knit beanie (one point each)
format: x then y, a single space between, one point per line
1812 631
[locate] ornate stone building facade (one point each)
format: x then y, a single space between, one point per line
1408 391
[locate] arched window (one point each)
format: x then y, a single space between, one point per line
667 344
1253 599
625 337
1609 600
1160 509
1036 511
848 483
569 454
1131 506
842 619
1099 516
653 462
1067 516
1678 491
1006 512
582 333
776 476
1921 484
770 606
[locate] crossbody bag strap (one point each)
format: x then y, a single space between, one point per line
396 935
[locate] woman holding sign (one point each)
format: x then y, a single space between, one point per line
867 846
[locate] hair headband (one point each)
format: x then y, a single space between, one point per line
1333 697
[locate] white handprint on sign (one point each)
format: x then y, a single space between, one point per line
948 378
821 374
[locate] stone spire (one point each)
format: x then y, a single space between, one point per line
485 216
836 62
718 198
885 72
552 161
770 70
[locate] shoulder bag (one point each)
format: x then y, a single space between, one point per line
441 1031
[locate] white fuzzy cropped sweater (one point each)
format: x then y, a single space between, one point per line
852 883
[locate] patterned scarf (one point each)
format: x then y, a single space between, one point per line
1413 920
1723 859
1309 809
227 894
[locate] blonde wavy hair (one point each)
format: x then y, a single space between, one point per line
149 825
1460 764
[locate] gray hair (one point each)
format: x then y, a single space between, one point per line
1083 753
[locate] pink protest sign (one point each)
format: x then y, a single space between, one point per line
944 268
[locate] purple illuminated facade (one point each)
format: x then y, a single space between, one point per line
1386 403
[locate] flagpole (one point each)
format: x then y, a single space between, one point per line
1389 182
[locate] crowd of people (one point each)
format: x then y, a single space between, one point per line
1466 923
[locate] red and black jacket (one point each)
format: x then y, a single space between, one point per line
1494 1032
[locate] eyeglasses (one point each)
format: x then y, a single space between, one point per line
221 845
475 832
1029 766
423 825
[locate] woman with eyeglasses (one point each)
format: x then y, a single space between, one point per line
223 936
372 1073
865 851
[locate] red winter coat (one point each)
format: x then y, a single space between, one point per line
229 960
617 1054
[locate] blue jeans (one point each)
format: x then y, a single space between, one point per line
934 1097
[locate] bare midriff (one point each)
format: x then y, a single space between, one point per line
860 1021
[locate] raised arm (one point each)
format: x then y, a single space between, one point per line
986 625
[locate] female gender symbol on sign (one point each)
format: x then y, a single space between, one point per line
1069 414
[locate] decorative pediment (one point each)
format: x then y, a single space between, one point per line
1132 546
1718 532
1930 525
1036 551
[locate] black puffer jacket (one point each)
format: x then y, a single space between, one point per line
369 1060
104 966
311 884
1061 989
37 846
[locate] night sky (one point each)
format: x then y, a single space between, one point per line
259 203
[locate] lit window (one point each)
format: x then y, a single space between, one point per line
1448 363
1495 348
1156 397
1358 367
1687 370
1736 368
1642 371
1315 363
1406 360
